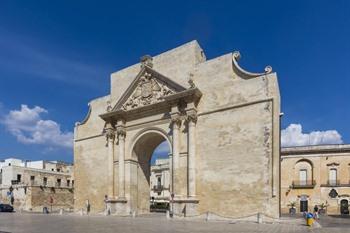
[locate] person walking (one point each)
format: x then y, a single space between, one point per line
87 205
316 212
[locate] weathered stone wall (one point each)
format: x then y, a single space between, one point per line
237 158
238 132
35 198
63 198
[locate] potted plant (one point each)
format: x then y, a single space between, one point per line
292 209
323 208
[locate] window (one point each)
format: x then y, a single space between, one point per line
32 178
159 181
45 181
303 176
68 183
58 182
72 183
333 176
19 177
58 170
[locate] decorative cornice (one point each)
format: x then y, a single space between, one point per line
318 149
188 95
332 164
86 117
243 73
155 75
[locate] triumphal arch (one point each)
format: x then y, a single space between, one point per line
220 121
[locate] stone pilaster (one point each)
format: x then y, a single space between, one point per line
110 136
176 123
121 132
192 120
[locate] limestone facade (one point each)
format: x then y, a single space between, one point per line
160 181
221 123
316 175
35 184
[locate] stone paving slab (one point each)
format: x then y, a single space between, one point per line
39 223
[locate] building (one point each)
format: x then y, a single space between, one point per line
35 184
160 181
221 123
316 175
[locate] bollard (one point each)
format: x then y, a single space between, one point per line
134 214
260 218
167 214
208 216
61 211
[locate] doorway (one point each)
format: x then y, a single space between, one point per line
344 207
303 205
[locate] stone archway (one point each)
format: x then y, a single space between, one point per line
141 151
222 123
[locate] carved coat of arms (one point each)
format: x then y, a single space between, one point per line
148 91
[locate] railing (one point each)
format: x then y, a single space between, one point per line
158 187
16 182
335 183
299 184
42 184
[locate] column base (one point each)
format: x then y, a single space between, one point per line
118 206
185 207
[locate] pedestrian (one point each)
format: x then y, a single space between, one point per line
87 205
12 200
107 210
316 212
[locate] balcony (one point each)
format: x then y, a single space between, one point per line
16 182
158 188
335 183
303 184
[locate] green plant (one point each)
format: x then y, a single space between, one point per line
292 204
323 205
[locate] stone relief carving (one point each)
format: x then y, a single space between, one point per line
148 91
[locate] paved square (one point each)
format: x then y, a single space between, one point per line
38 223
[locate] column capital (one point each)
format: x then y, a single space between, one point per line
176 119
121 132
109 132
191 116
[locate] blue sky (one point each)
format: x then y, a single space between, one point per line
58 55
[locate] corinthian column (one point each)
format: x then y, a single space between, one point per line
176 152
192 119
121 142
110 135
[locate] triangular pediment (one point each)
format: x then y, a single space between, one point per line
149 87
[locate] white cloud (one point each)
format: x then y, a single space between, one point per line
293 136
28 127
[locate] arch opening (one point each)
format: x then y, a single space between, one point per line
151 151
